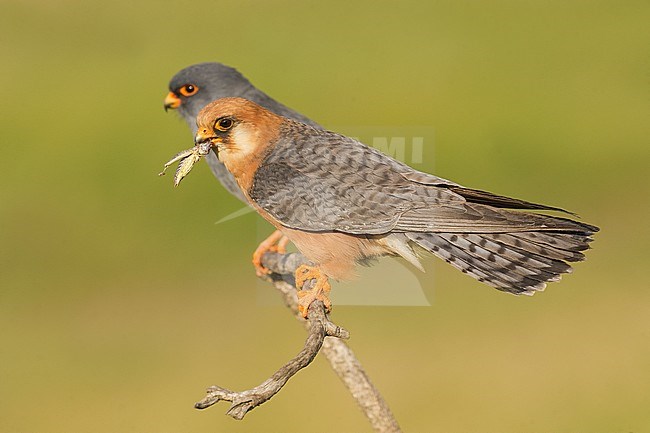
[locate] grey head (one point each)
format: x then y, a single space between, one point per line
194 87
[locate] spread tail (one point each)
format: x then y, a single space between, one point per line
519 262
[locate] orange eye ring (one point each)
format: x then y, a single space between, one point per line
223 124
189 90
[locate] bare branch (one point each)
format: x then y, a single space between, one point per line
245 401
341 358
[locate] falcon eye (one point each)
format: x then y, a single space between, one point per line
224 124
189 89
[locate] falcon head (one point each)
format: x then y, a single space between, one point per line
195 86
239 130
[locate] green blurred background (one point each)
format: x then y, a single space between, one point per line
121 300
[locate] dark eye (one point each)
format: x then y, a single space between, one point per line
224 124
189 89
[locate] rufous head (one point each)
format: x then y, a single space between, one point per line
237 128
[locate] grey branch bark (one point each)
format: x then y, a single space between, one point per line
340 356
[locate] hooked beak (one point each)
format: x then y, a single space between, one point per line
205 140
203 135
172 101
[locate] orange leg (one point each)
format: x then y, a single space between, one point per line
319 291
282 245
277 242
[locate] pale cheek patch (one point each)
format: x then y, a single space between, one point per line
238 149
242 142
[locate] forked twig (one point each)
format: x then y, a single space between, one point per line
341 358
243 402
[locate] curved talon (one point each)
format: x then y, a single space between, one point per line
277 242
319 292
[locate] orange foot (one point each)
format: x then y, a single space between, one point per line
319 291
277 242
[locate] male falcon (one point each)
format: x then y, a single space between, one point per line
343 203
192 88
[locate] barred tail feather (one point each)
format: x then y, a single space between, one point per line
518 263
